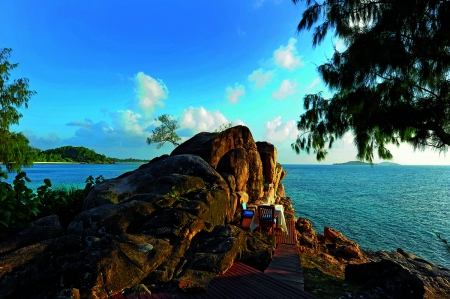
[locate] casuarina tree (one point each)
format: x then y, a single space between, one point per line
165 132
390 85
15 151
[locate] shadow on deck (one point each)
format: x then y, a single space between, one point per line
282 279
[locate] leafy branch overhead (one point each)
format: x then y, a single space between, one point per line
392 82
165 132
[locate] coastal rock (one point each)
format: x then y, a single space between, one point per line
164 226
307 235
268 154
212 147
342 247
401 275
235 162
43 229
280 191
258 250
210 257
144 180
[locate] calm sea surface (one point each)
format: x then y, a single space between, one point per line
381 208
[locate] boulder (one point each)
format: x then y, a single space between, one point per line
401 275
212 256
43 229
235 162
149 176
307 236
268 154
164 226
258 250
280 191
212 147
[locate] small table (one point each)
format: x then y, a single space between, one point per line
279 210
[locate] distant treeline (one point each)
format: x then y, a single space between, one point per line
77 154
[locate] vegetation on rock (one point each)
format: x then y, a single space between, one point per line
391 83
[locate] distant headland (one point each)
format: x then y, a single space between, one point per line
365 163
77 154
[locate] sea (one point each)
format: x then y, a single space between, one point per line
379 207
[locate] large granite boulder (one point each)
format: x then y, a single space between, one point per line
268 154
43 229
246 163
400 275
174 175
164 227
307 236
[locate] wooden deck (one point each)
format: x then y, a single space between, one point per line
289 238
282 279
286 266
240 282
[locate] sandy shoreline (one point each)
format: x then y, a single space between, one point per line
58 163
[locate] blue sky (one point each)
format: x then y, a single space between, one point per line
104 70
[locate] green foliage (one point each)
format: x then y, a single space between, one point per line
165 132
391 84
222 128
71 154
66 203
14 149
264 183
18 204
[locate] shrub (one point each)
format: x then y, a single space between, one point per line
19 205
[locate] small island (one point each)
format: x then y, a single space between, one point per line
77 154
365 163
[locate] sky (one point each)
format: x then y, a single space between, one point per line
104 70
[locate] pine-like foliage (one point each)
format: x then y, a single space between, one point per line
165 132
390 85
15 151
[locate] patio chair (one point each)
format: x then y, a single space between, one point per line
267 218
246 216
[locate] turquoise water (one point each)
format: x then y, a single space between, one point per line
381 208
64 175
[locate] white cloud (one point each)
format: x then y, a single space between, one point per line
287 88
149 92
313 83
286 57
277 131
260 78
43 143
128 122
202 120
233 94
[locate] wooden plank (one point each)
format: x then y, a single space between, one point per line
289 238
274 287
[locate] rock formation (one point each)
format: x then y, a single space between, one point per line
380 274
168 225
